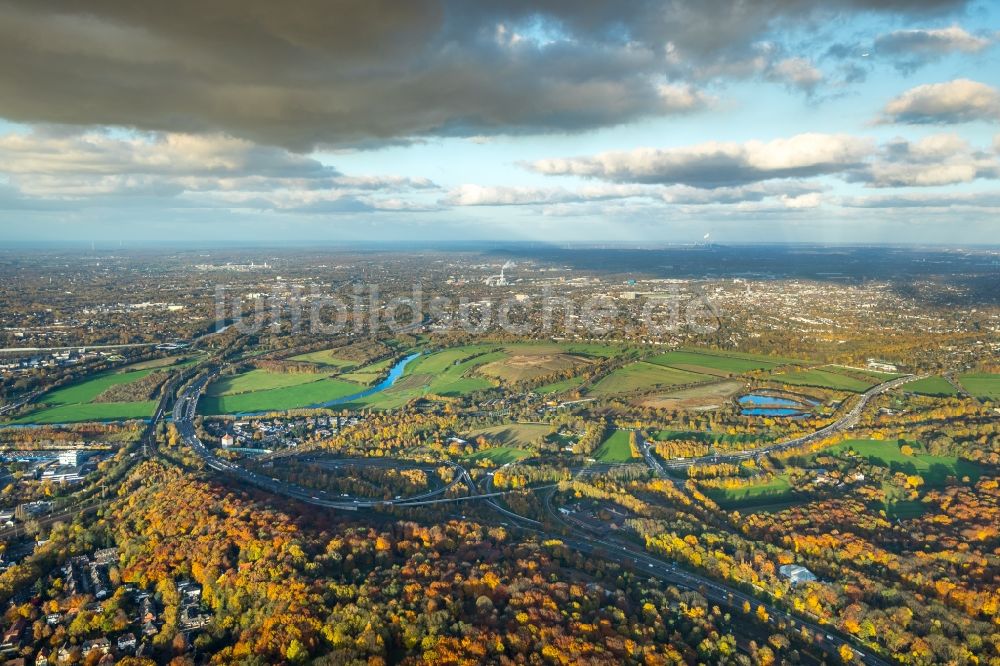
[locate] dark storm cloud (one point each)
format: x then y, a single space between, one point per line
362 71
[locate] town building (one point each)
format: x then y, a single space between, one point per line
796 574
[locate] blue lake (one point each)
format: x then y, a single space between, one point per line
770 411
758 404
754 399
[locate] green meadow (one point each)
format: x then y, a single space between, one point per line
615 448
640 376
697 362
886 453
774 489
984 386
934 386
823 379
278 399
73 403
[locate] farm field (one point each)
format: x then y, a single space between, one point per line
559 387
615 448
763 358
775 489
278 399
885 453
709 396
640 376
822 379
936 386
520 366
709 363
579 348
74 403
875 376
259 380
983 385
499 455
512 434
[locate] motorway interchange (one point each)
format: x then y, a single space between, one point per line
572 535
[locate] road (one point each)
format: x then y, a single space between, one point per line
714 592
668 572
845 422
183 416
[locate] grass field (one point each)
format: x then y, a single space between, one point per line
91 411
278 399
708 363
936 386
640 376
983 385
91 387
615 448
500 455
580 348
708 396
512 434
325 357
875 376
72 404
823 379
458 371
259 380
884 453
447 373
775 489
559 387
368 374
764 358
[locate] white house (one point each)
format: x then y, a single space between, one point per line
796 573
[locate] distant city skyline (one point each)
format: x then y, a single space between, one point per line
632 122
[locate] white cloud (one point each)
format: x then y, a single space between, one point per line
795 193
796 72
719 172
961 100
984 200
215 169
940 159
720 164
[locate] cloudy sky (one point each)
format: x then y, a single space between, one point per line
555 120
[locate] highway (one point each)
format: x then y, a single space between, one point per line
713 591
668 572
845 422
183 416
